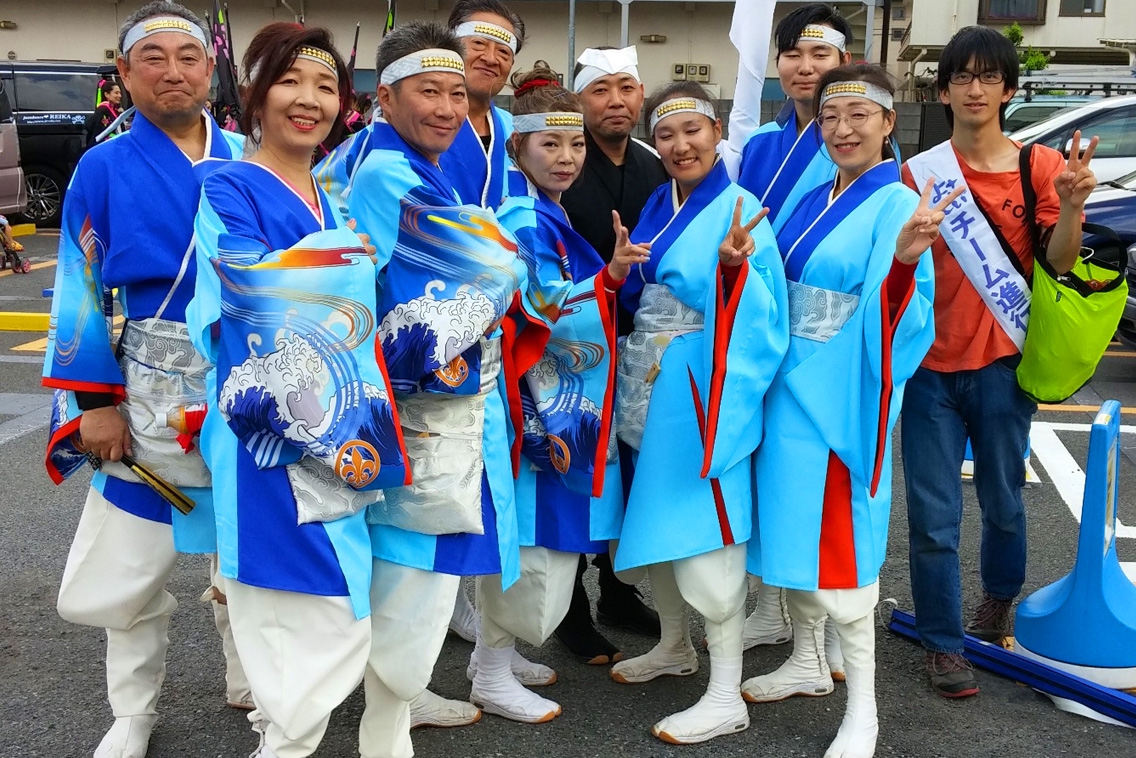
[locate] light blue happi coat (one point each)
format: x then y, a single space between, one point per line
388 187
840 388
127 226
569 496
691 490
479 175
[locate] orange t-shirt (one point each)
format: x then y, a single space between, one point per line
967 336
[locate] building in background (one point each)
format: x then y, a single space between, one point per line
676 39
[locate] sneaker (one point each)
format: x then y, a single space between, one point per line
951 675
991 622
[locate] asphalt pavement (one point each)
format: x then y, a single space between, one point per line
53 702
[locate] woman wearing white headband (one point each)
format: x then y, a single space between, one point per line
569 498
293 538
709 334
860 323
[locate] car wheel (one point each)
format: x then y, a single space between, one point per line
45 196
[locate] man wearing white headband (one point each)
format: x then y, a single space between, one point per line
434 283
128 224
780 163
619 174
477 161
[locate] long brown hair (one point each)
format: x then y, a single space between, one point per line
271 53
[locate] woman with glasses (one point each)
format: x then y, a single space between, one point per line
860 321
710 331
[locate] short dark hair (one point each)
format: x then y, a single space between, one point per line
858 72
463 9
789 29
990 51
676 89
271 53
411 37
154 10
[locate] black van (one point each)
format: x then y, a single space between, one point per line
51 100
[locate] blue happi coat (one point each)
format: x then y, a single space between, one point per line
479 175
780 166
127 226
691 490
452 274
823 472
569 493
284 308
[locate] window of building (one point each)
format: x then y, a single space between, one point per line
897 35
1082 7
899 13
1008 11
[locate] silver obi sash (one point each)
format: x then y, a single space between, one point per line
661 317
163 372
818 314
443 436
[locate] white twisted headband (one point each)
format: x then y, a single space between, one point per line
421 62
866 90
160 24
488 31
599 63
681 105
548 122
826 34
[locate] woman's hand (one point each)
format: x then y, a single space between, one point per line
738 244
626 254
922 228
366 240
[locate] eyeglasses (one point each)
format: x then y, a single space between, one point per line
986 77
855 119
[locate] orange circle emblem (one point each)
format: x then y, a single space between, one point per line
357 464
558 454
453 373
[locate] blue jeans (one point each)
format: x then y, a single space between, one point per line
939 411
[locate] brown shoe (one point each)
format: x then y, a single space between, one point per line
991 622
951 675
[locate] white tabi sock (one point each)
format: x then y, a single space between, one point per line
495 690
769 622
528 673
720 711
128 738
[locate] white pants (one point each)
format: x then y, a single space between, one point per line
115 578
303 655
410 613
713 583
535 605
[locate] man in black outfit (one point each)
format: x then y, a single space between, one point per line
619 174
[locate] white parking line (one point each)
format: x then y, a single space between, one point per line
1064 470
31 412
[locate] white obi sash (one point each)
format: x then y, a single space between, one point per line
818 314
974 244
163 373
660 318
443 436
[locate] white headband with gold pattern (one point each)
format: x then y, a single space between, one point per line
826 34
548 122
161 24
866 90
682 105
421 62
488 31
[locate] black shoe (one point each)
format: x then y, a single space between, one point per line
951 675
991 622
627 611
586 644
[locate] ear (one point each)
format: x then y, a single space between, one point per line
944 97
384 97
210 64
717 130
889 122
845 58
123 71
1008 93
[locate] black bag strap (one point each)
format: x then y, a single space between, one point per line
1029 195
1006 248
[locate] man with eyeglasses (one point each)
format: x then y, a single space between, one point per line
966 386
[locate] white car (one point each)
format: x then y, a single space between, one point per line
1112 119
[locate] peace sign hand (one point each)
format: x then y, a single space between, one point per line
922 228
626 254
738 244
1077 181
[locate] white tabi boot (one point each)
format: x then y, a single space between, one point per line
769 622
128 738
860 727
806 672
238 693
528 673
832 652
429 709
674 655
464 621
495 690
